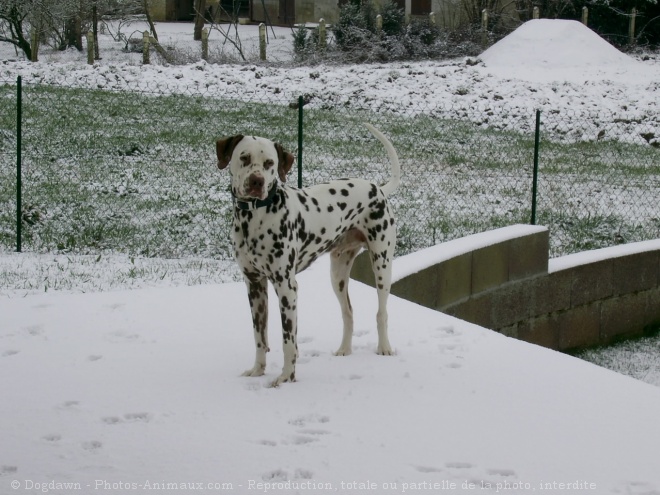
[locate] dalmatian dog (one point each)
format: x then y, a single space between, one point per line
278 231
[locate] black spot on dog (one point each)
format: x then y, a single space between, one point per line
378 211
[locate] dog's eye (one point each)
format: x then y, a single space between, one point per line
268 163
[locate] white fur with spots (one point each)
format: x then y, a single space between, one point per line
279 231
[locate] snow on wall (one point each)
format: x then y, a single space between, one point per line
503 280
412 263
596 255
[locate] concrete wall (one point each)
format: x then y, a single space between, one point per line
306 11
269 15
158 10
503 280
448 15
175 10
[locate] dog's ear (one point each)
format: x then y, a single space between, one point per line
285 161
225 147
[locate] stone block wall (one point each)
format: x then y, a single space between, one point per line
503 280
158 10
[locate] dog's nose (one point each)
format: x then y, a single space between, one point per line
255 185
256 182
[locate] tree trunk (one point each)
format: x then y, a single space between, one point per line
17 38
73 33
95 30
200 9
152 27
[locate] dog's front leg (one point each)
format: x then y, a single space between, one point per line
258 295
287 292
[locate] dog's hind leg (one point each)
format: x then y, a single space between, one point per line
341 263
382 267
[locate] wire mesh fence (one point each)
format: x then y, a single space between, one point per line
605 186
131 168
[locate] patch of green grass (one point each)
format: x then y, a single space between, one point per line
124 172
636 357
77 122
611 160
586 232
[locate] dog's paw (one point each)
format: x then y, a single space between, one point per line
343 351
283 378
257 370
385 351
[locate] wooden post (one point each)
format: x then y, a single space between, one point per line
323 35
262 41
484 27
535 13
90 48
205 44
432 18
34 46
145 48
379 24
631 27
585 15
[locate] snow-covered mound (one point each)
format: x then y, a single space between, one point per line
556 45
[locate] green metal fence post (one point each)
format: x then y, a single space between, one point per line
19 182
300 139
535 177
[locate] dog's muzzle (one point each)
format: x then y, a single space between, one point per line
254 186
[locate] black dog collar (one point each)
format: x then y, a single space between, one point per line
253 204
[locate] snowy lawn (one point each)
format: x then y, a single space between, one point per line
464 133
141 179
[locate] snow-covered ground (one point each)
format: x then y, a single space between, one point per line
559 66
130 390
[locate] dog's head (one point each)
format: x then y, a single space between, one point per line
254 163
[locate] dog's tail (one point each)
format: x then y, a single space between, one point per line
395 178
